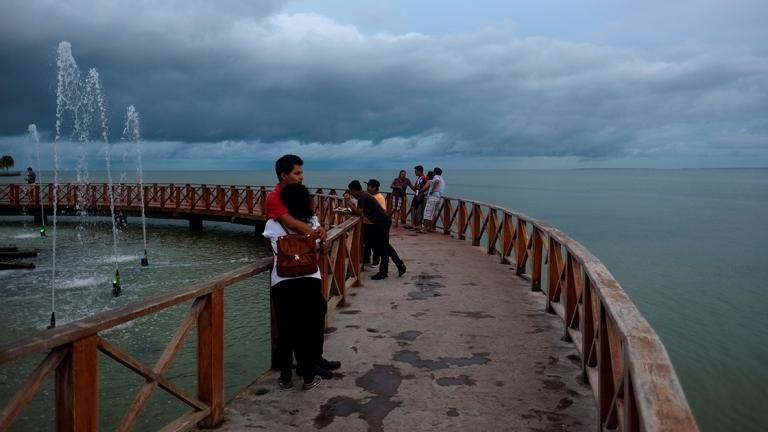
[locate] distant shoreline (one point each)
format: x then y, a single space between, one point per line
10 174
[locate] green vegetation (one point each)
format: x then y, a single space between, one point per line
6 162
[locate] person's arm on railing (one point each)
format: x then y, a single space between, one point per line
348 201
300 227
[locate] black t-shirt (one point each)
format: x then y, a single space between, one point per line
371 208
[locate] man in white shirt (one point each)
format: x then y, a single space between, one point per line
436 190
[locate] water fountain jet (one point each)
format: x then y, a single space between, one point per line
132 133
35 138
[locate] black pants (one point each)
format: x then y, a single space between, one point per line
383 248
369 238
300 317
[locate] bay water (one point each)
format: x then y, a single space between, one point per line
688 246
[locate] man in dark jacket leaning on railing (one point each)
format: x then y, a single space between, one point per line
368 206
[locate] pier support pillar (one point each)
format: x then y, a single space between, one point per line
195 223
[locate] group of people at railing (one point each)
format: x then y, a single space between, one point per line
427 189
299 305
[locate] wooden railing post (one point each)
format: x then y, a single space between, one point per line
210 358
476 218
190 195
77 392
462 227
220 197
521 247
206 197
177 195
235 197
357 252
128 196
249 199
447 213
14 194
340 268
262 199
492 228
538 245
147 197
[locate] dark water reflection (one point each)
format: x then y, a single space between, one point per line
85 267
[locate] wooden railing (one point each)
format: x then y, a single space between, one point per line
622 358
72 349
241 201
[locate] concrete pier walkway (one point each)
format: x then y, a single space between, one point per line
458 343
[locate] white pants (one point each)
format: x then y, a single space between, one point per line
429 209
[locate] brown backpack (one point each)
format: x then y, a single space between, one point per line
296 255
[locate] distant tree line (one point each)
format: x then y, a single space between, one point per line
6 162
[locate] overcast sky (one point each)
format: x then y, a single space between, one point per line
542 84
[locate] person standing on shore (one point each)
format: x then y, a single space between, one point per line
399 185
289 170
436 190
368 206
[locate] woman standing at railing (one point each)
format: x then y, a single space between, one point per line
299 304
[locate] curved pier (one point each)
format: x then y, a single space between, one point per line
462 340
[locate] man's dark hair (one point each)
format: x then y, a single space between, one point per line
401 171
296 199
355 185
430 175
285 165
438 171
419 168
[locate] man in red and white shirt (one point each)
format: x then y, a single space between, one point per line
289 170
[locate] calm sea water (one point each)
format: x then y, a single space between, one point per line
689 246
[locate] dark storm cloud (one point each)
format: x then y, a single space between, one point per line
234 77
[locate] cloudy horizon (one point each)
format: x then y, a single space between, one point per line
503 84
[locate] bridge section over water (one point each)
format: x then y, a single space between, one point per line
500 321
457 343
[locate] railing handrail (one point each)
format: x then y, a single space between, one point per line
92 324
642 356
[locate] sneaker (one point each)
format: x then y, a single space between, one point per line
401 270
329 364
379 276
323 373
284 385
307 386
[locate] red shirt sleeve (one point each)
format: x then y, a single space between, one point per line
274 207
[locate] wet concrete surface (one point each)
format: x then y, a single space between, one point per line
458 343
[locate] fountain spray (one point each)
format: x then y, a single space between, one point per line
93 84
67 81
132 133
33 135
